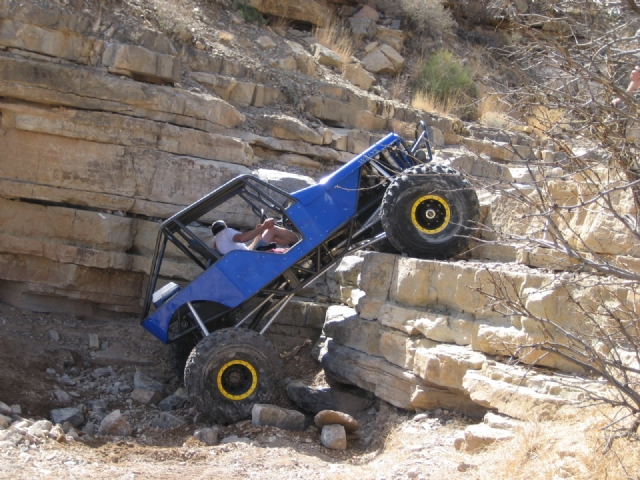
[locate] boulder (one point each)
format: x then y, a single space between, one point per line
71 414
166 421
207 435
174 401
63 397
393 38
5 409
394 57
334 437
330 417
368 12
358 75
327 57
272 416
265 42
140 380
378 62
4 422
115 424
362 27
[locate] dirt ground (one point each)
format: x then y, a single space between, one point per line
38 351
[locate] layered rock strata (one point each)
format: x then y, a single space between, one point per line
421 334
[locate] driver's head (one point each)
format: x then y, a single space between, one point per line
218 226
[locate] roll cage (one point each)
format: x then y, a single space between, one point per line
248 289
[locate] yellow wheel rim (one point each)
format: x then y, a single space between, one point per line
237 380
430 214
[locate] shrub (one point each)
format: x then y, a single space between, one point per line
443 77
427 16
248 13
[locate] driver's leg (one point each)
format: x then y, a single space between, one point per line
279 235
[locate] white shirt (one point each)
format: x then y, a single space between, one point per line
224 241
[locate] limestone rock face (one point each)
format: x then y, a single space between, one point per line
519 402
49 83
133 60
289 128
309 11
420 335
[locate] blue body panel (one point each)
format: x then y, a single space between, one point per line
240 274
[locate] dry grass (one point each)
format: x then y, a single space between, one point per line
399 88
429 103
279 23
492 111
567 448
333 34
226 37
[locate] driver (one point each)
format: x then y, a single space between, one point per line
228 239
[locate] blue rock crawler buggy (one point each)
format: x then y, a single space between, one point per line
216 323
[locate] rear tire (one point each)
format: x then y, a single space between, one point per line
230 371
429 212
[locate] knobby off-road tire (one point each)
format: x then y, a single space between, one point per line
429 212
230 371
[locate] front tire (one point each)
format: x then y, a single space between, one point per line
429 212
230 371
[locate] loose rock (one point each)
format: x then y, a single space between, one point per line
330 417
63 397
166 420
334 437
207 435
5 409
140 380
270 415
115 424
72 415
174 401
94 341
146 396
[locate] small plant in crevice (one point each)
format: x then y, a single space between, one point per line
445 83
248 13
